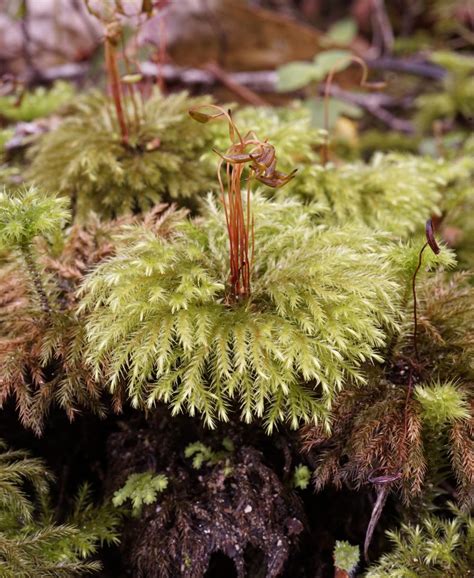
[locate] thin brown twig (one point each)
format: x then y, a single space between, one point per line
382 26
382 495
243 92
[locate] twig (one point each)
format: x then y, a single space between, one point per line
382 495
382 27
241 91
266 80
374 104
408 66
32 71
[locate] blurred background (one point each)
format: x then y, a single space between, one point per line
256 52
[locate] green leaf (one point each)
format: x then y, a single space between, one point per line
295 75
337 108
343 31
330 60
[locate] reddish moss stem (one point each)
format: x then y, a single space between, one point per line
415 304
115 86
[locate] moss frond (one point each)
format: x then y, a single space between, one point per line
159 320
394 192
36 103
442 403
436 548
346 556
140 489
32 543
446 319
41 336
27 213
413 423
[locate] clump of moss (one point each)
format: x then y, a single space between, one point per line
159 317
394 192
458 203
36 103
86 158
455 102
32 542
437 547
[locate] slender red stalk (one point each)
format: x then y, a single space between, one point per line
115 86
260 156
415 304
327 87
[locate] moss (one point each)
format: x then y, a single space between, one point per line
85 158
36 103
158 316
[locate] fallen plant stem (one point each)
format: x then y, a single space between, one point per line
243 92
382 495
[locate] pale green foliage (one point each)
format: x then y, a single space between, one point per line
446 318
301 477
203 454
445 410
141 489
435 549
341 32
41 337
98 525
457 63
442 403
200 453
36 103
394 192
457 96
27 213
296 75
405 256
458 201
5 135
32 544
159 320
16 468
373 140
346 556
85 158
